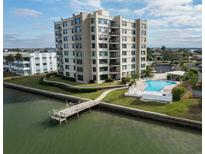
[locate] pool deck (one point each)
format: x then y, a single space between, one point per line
137 89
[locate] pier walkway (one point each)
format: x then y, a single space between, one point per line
62 114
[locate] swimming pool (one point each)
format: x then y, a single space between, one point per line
157 85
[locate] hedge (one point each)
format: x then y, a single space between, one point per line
178 92
67 87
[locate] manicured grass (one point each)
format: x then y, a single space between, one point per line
9 74
34 81
54 78
186 108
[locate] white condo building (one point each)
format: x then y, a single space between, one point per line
32 63
96 46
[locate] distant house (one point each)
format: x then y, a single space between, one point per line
174 75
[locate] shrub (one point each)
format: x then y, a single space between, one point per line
125 80
194 71
168 77
131 83
91 81
109 80
178 92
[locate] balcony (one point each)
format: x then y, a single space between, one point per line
114 55
114 62
114 33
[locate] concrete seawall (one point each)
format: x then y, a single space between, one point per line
151 115
44 92
113 107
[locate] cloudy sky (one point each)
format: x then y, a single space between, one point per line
173 23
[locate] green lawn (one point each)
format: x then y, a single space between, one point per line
54 78
34 81
8 74
186 108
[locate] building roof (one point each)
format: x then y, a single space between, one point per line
179 73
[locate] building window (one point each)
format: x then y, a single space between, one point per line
124 23
65 31
103 29
133 66
132 46
132 52
67 73
102 45
94 69
144 26
93 53
103 69
133 32
66 53
78 46
77 20
37 58
133 60
102 37
103 61
92 20
94 61
79 69
142 58
124 67
124 53
67 60
67 67
133 38
38 64
124 38
77 29
80 77
124 31
93 37
93 45
143 32
103 53
102 21
94 77
133 25
124 45
79 61
65 24
142 65
124 60
44 64
65 38
65 46
77 37
142 52
92 29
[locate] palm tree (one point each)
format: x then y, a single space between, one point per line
9 59
18 57
148 72
163 48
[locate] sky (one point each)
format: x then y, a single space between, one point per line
172 23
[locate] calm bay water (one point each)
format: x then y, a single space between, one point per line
27 131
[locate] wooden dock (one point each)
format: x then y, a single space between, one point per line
62 114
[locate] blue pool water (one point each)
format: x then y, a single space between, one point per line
157 85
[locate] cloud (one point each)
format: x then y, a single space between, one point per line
85 5
18 41
23 12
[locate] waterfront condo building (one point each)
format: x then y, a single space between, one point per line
31 63
96 46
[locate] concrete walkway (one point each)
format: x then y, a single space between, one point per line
100 98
